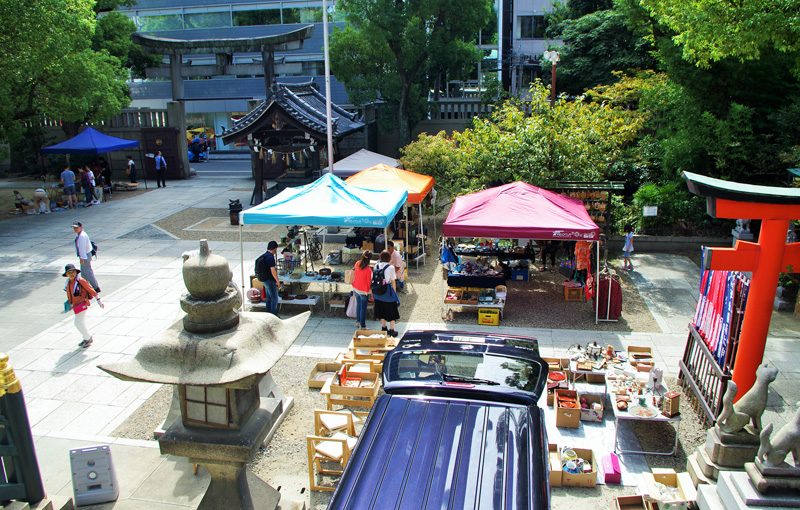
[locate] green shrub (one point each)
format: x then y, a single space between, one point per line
679 212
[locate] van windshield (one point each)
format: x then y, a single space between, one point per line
470 367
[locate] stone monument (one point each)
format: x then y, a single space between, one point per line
742 231
734 440
768 482
218 360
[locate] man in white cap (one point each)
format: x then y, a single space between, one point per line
83 247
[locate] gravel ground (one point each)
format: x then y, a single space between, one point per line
177 224
538 303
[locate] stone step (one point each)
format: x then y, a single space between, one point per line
707 498
54 503
17 505
730 488
695 471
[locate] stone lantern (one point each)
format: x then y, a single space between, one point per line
219 361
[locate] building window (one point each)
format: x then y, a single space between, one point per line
302 15
207 20
257 17
531 27
160 22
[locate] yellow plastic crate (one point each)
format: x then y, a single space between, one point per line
489 316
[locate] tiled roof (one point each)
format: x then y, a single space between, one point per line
305 104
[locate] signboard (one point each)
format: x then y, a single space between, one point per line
650 210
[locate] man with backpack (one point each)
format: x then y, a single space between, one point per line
85 249
267 273
384 290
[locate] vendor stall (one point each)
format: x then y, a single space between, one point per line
389 178
328 201
521 211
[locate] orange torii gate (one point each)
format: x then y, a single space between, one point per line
766 259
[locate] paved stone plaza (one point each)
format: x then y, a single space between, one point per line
71 403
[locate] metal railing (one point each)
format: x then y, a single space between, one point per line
703 376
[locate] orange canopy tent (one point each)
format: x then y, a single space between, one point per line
385 177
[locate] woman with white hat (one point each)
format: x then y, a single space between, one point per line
79 296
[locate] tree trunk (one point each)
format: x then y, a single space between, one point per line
403 128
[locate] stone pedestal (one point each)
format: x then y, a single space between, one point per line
744 235
721 452
774 480
735 491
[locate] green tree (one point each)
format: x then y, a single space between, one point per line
573 140
714 30
595 45
394 49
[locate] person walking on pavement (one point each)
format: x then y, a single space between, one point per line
68 181
83 247
79 296
161 170
362 278
271 282
627 249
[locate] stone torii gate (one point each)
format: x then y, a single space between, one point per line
766 259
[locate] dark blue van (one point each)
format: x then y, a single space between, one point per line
458 428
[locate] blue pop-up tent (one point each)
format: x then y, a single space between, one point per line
328 201
90 141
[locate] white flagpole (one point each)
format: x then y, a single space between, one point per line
327 84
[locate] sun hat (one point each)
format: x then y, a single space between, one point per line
76 223
70 267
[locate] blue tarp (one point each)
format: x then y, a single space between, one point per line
328 201
90 141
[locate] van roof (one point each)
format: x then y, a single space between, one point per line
437 453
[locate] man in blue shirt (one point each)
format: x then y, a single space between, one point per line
272 283
161 170
68 181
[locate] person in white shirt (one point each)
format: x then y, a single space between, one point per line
399 264
83 247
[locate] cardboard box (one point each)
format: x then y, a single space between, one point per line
581 479
629 503
378 338
366 245
255 282
554 460
686 492
590 414
566 417
639 354
316 379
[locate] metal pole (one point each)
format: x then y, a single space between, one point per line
329 122
597 290
422 230
553 85
241 257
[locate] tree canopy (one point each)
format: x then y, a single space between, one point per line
573 140
50 67
713 30
394 49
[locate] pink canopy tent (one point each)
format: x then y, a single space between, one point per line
522 211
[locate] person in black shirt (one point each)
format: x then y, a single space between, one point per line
272 283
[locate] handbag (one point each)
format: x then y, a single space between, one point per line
80 307
352 306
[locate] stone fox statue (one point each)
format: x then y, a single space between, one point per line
750 407
773 452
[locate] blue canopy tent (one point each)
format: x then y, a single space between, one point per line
90 141
329 202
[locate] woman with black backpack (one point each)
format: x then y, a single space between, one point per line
384 290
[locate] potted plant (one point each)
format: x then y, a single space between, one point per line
787 286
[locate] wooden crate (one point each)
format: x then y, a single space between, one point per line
350 396
573 293
368 353
314 381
